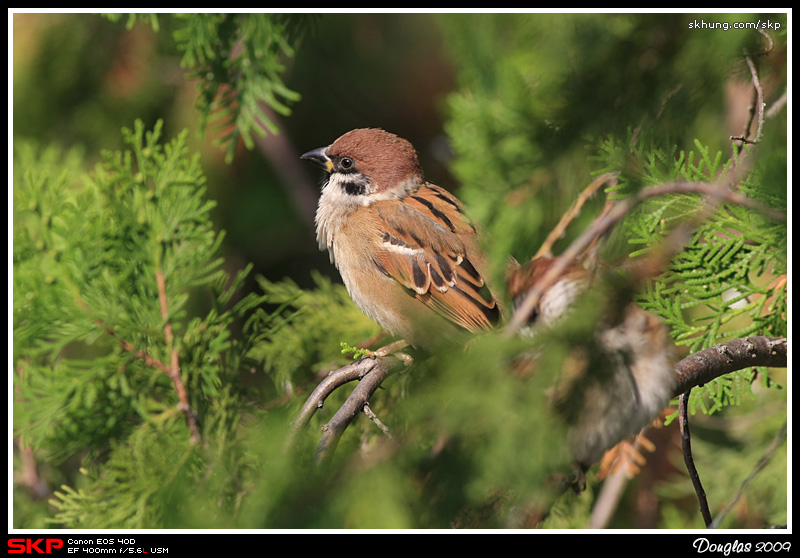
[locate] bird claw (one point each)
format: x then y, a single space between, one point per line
578 481
575 481
394 349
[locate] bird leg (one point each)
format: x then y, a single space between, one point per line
394 349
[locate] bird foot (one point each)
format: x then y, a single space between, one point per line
394 349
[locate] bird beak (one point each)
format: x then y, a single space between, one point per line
320 158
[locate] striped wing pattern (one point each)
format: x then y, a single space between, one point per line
428 246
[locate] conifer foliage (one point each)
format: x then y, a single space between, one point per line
109 357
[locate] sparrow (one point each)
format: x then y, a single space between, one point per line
611 385
407 254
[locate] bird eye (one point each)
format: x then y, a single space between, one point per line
346 162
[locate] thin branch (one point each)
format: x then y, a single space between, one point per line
334 380
611 492
138 353
718 191
703 366
686 444
765 459
374 418
29 473
558 231
174 370
332 431
371 371
757 109
767 49
776 107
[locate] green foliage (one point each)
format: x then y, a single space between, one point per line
91 315
236 60
356 352
728 280
537 93
475 400
296 354
541 105
521 164
133 19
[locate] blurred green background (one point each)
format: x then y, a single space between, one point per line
79 78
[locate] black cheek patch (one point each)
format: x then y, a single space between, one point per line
354 183
355 188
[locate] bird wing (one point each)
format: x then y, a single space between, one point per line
428 246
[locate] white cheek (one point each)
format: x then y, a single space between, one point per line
334 192
335 205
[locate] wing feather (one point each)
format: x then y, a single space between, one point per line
428 246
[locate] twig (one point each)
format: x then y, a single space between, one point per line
702 367
757 109
174 370
765 459
29 474
718 191
138 353
371 371
770 44
776 107
332 431
686 444
334 380
374 418
693 371
610 494
558 231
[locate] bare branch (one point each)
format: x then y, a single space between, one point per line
334 380
575 209
611 492
756 110
371 371
382 368
716 192
174 370
686 444
703 366
776 107
780 438
374 418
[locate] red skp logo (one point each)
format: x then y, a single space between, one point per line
29 546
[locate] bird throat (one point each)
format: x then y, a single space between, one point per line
339 198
